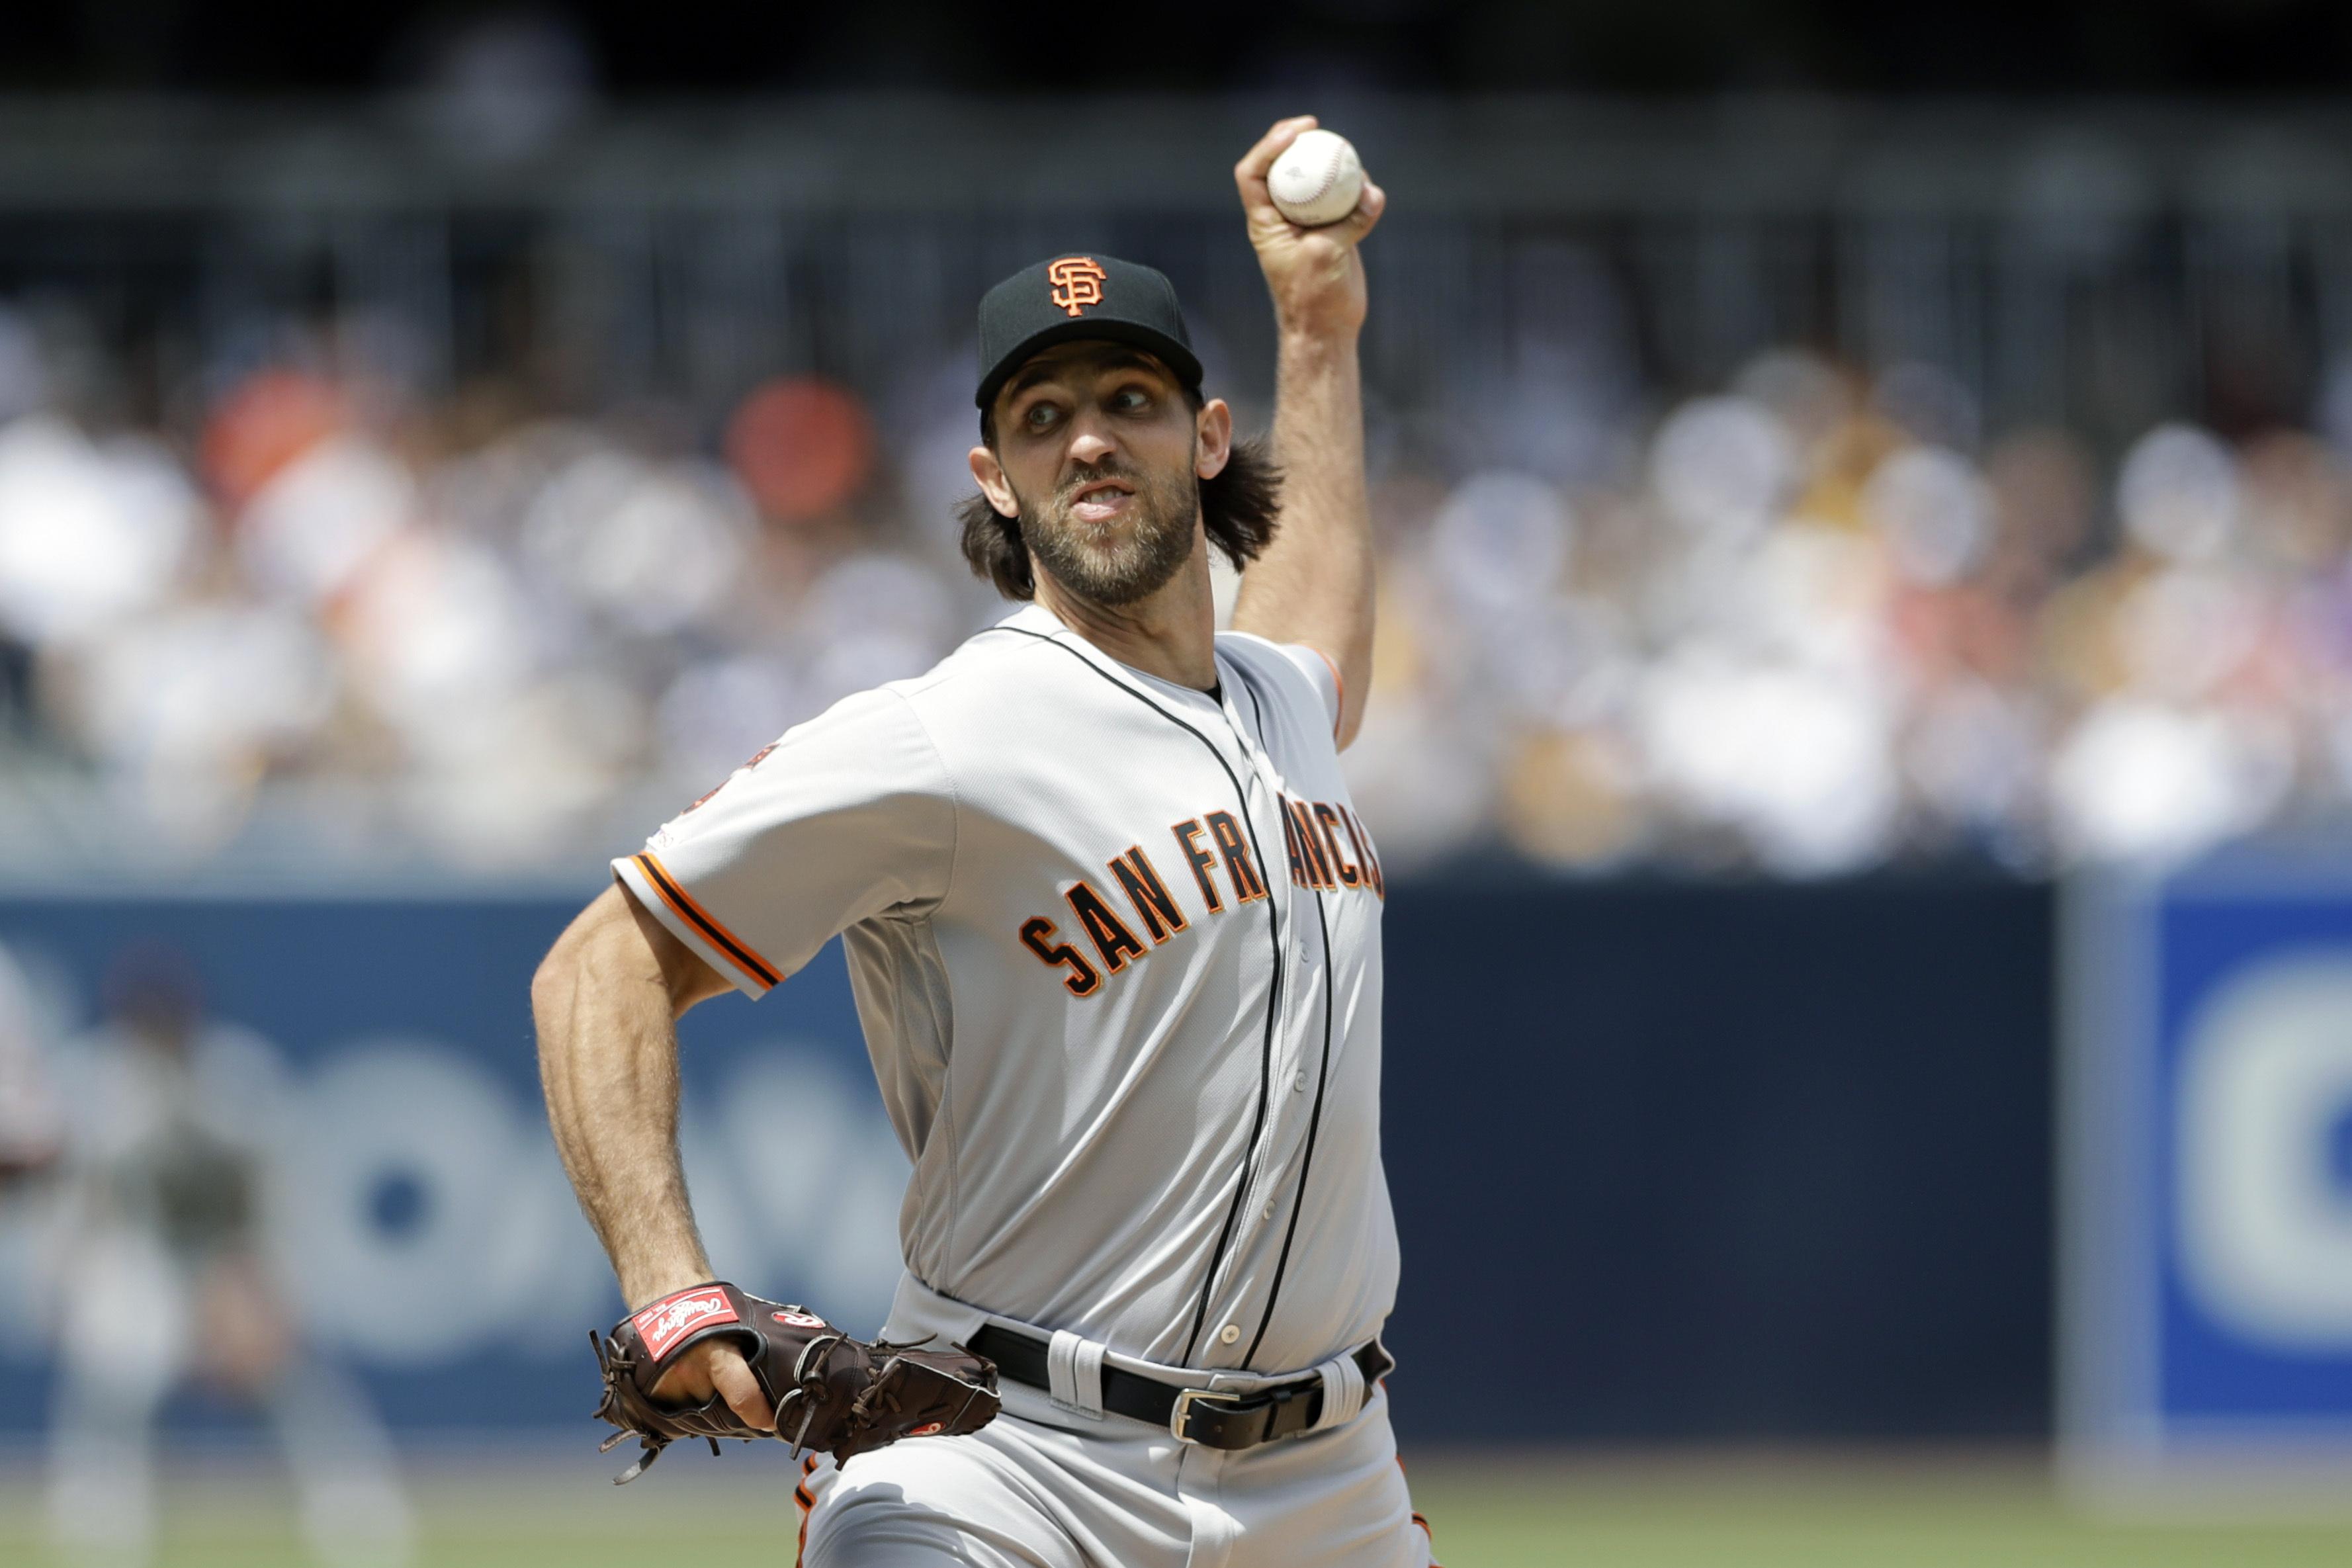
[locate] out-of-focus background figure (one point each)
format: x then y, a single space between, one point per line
1864 683
32 1122
168 1270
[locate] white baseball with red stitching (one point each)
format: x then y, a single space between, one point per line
1317 180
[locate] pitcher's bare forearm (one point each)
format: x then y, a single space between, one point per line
606 1002
1314 584
608 999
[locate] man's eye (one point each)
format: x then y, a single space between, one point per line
1130 400
1039 417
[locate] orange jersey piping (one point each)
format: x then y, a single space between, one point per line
1338 686
681 902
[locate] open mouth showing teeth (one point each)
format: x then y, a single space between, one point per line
1100 501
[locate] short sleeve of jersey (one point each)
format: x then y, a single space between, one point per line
1320 675
847 817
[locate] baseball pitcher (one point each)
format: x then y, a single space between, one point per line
1113 925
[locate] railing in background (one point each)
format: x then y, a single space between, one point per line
2101 265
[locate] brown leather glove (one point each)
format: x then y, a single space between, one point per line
830 1393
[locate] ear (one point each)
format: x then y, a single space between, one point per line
1214 440
989 475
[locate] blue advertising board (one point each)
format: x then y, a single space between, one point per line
1786 1148
2206 1155
419 1217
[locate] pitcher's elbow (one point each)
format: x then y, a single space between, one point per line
547 983
554 983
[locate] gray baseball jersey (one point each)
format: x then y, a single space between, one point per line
1116 949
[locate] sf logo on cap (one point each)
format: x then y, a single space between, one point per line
1077 282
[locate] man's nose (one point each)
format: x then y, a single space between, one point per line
1090 440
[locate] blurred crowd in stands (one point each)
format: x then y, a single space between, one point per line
1807 621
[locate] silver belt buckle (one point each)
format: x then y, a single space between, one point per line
1185 1398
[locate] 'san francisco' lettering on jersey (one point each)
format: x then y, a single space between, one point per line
1314 831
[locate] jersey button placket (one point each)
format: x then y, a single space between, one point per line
1266 792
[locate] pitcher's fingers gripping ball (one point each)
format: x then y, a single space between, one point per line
829 1391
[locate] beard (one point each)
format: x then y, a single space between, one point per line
1104 566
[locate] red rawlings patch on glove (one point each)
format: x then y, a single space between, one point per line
828 1391
671 1319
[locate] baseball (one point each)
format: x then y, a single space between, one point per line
1317 180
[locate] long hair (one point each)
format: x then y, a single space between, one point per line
1239 508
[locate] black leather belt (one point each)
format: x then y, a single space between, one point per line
1213 1417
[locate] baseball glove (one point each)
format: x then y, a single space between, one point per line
829 1391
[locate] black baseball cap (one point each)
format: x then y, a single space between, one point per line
1081 296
